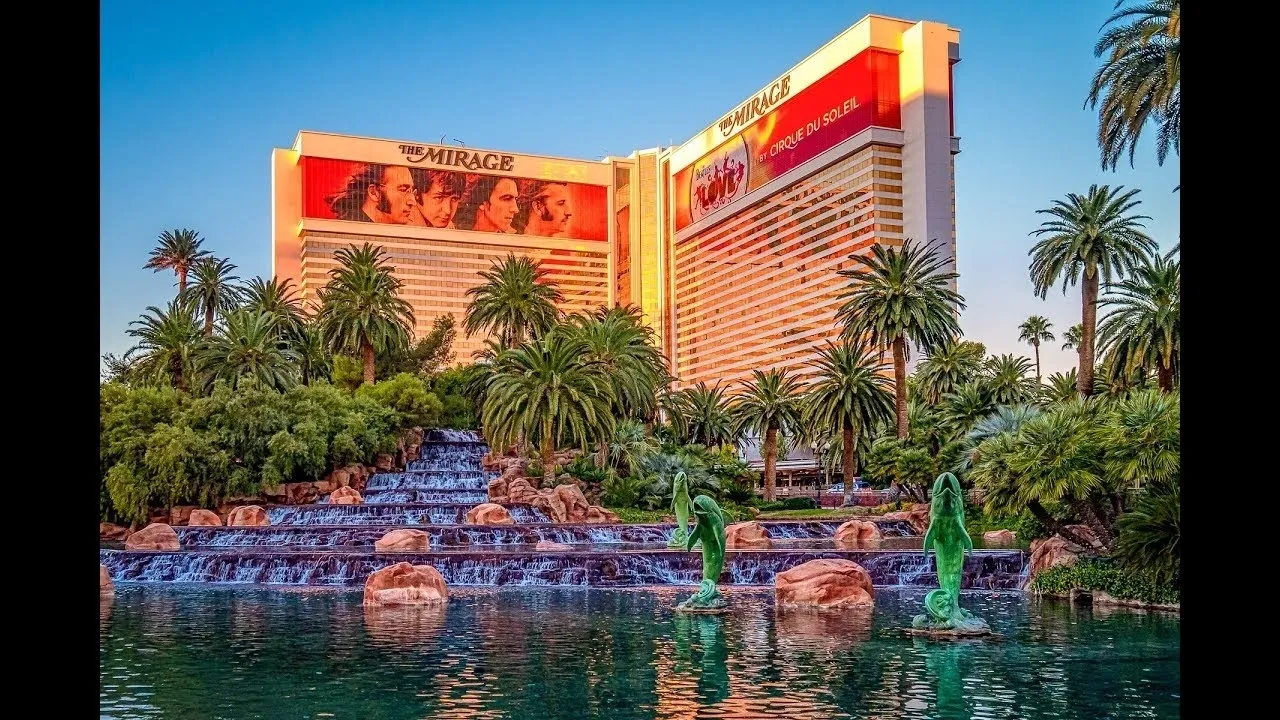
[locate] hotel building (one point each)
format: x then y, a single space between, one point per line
729 243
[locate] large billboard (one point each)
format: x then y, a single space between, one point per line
397 194
855 96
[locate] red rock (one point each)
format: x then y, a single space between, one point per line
405 584
110 531
498 490
746 535
384 462
201 517
403 540
520 491
824 583
548 545
339 478
105 586
858 532
345 496
179 514
156 536
1057 551
575 503
248 516
999 537
488 514
597 514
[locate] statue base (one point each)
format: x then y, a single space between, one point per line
700 603
963 625
942 634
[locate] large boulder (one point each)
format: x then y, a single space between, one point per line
156 536
597 514
105 586
746 535
917 517
180 514
575 503
1057 551
405 584
498 490
248 516
858 533
488 514
403 540
111 531
346 496
520 491
827 583
201 518
999 537
547 545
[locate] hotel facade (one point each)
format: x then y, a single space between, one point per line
729 243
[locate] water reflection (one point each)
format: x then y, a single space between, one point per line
561 653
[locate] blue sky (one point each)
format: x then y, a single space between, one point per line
195 95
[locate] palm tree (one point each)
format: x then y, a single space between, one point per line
546 389
901 295
314 360
949 366
247 346
769 405
1034 330
1091 237
1071 338
214 290
515 301
179 250
1005 377
167 343
631 446
361 311
1061 387
1143 330
280 300
851 393
960 410
706 415
1139 80
625 348
1145 442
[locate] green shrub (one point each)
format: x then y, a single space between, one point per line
1108 576
408 396
623 491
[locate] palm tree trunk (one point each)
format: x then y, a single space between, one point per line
1089 321
1055 527
900 383
182 279
548 456
1165 377
366 353
1036 345
208 321
1097 522
602 458
846 462
770 461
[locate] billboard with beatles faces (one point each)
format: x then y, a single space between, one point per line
452 197
778 131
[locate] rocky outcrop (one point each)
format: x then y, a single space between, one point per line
385 462
917 516
597 514
857 533
405 584
547 545
403 540
105 587
999 537
564 503
305 493
346 496
248 516
156 536
1057 551
824 583
746 535
111 531
488 514
201 518
180 514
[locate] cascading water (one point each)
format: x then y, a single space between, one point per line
333 545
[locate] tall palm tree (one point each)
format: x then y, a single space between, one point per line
772 403
167 343
1005 377
546 389
247 346
628 355
902 295
214 290
1091 239
516 301
706 415
280 300
314 360
852 393
950 365
179 250
1143 328
1071 338
1140 79
1035 330
361 311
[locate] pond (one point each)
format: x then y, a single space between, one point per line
200 651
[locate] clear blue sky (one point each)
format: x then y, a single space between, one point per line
195 96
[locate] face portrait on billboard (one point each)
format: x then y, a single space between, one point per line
490 205
438 195
546 208
376 193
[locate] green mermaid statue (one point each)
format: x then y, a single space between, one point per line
710 532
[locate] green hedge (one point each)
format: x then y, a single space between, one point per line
1108 577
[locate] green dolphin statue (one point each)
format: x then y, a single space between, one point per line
710 531
680 504
950 541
